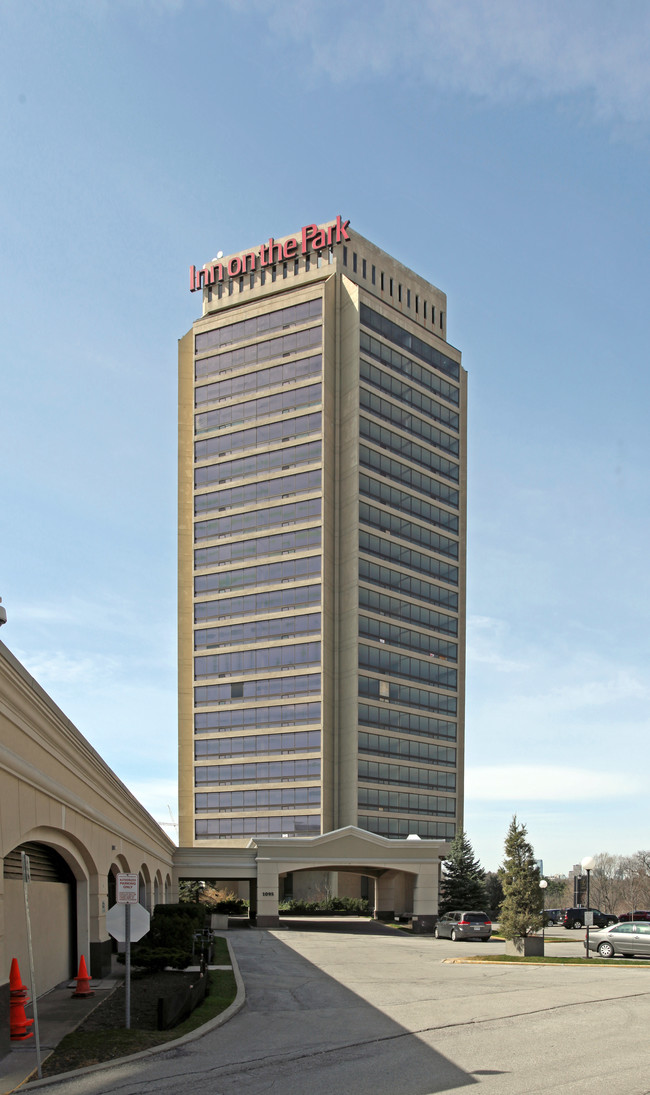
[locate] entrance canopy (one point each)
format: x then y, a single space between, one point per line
350 849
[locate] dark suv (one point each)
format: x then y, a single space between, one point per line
575 918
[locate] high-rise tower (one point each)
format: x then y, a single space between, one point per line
321 548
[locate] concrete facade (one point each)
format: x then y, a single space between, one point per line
80 825
322 498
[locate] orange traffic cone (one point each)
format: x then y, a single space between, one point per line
83 981
18 1023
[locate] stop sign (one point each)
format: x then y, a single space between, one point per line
116 922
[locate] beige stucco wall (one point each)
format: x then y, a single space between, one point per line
56 790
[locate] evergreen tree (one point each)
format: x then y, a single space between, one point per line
493 893
521 909
462 881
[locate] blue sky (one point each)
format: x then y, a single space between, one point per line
500 148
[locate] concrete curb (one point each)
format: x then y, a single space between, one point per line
219 1020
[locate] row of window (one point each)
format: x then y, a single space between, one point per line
300 741
375 771
256 436
280 544
407 530
400 364
371 798
247 466
288 514
253 661
407 749
256 690
402 446
251 493
401 473
397 389
245 329
257 352
202 277
406 341
405 583
407 503
273 771
280 403
410 640
407 723
274 600
400 665
274 377
291 824
404 610
257 631
399 828
406 696
265 574
407 421
282 799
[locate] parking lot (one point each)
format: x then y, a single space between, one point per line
376 1012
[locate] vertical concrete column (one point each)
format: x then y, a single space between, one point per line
99 941
268 890
385 896
425 898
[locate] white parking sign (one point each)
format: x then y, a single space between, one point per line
126 889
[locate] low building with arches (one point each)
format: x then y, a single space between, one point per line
80 826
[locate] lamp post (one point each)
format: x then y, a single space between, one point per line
542 885
588 863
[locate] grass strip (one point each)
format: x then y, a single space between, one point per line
80 1049
550 961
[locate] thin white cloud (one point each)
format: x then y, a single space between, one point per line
546 783
59 668
498 50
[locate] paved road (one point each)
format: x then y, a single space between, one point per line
380 1014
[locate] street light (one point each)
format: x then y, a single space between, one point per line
588 863
542 885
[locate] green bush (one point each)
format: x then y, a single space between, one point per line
351 906
156 959
233 907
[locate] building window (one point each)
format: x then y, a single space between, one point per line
390 287
262 277
442 320
285 269
345 256
296 266
373 275
252 280
363 269
230 288
382 281
354 262
408 298
417 304
241 285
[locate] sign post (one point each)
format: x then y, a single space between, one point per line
37 1040
126 893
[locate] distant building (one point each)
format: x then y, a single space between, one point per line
322 495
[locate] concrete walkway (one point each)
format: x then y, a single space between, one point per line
59 1013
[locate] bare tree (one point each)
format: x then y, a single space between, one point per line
603 888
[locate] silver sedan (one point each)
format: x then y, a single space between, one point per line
626 939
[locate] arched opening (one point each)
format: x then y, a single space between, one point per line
52 895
